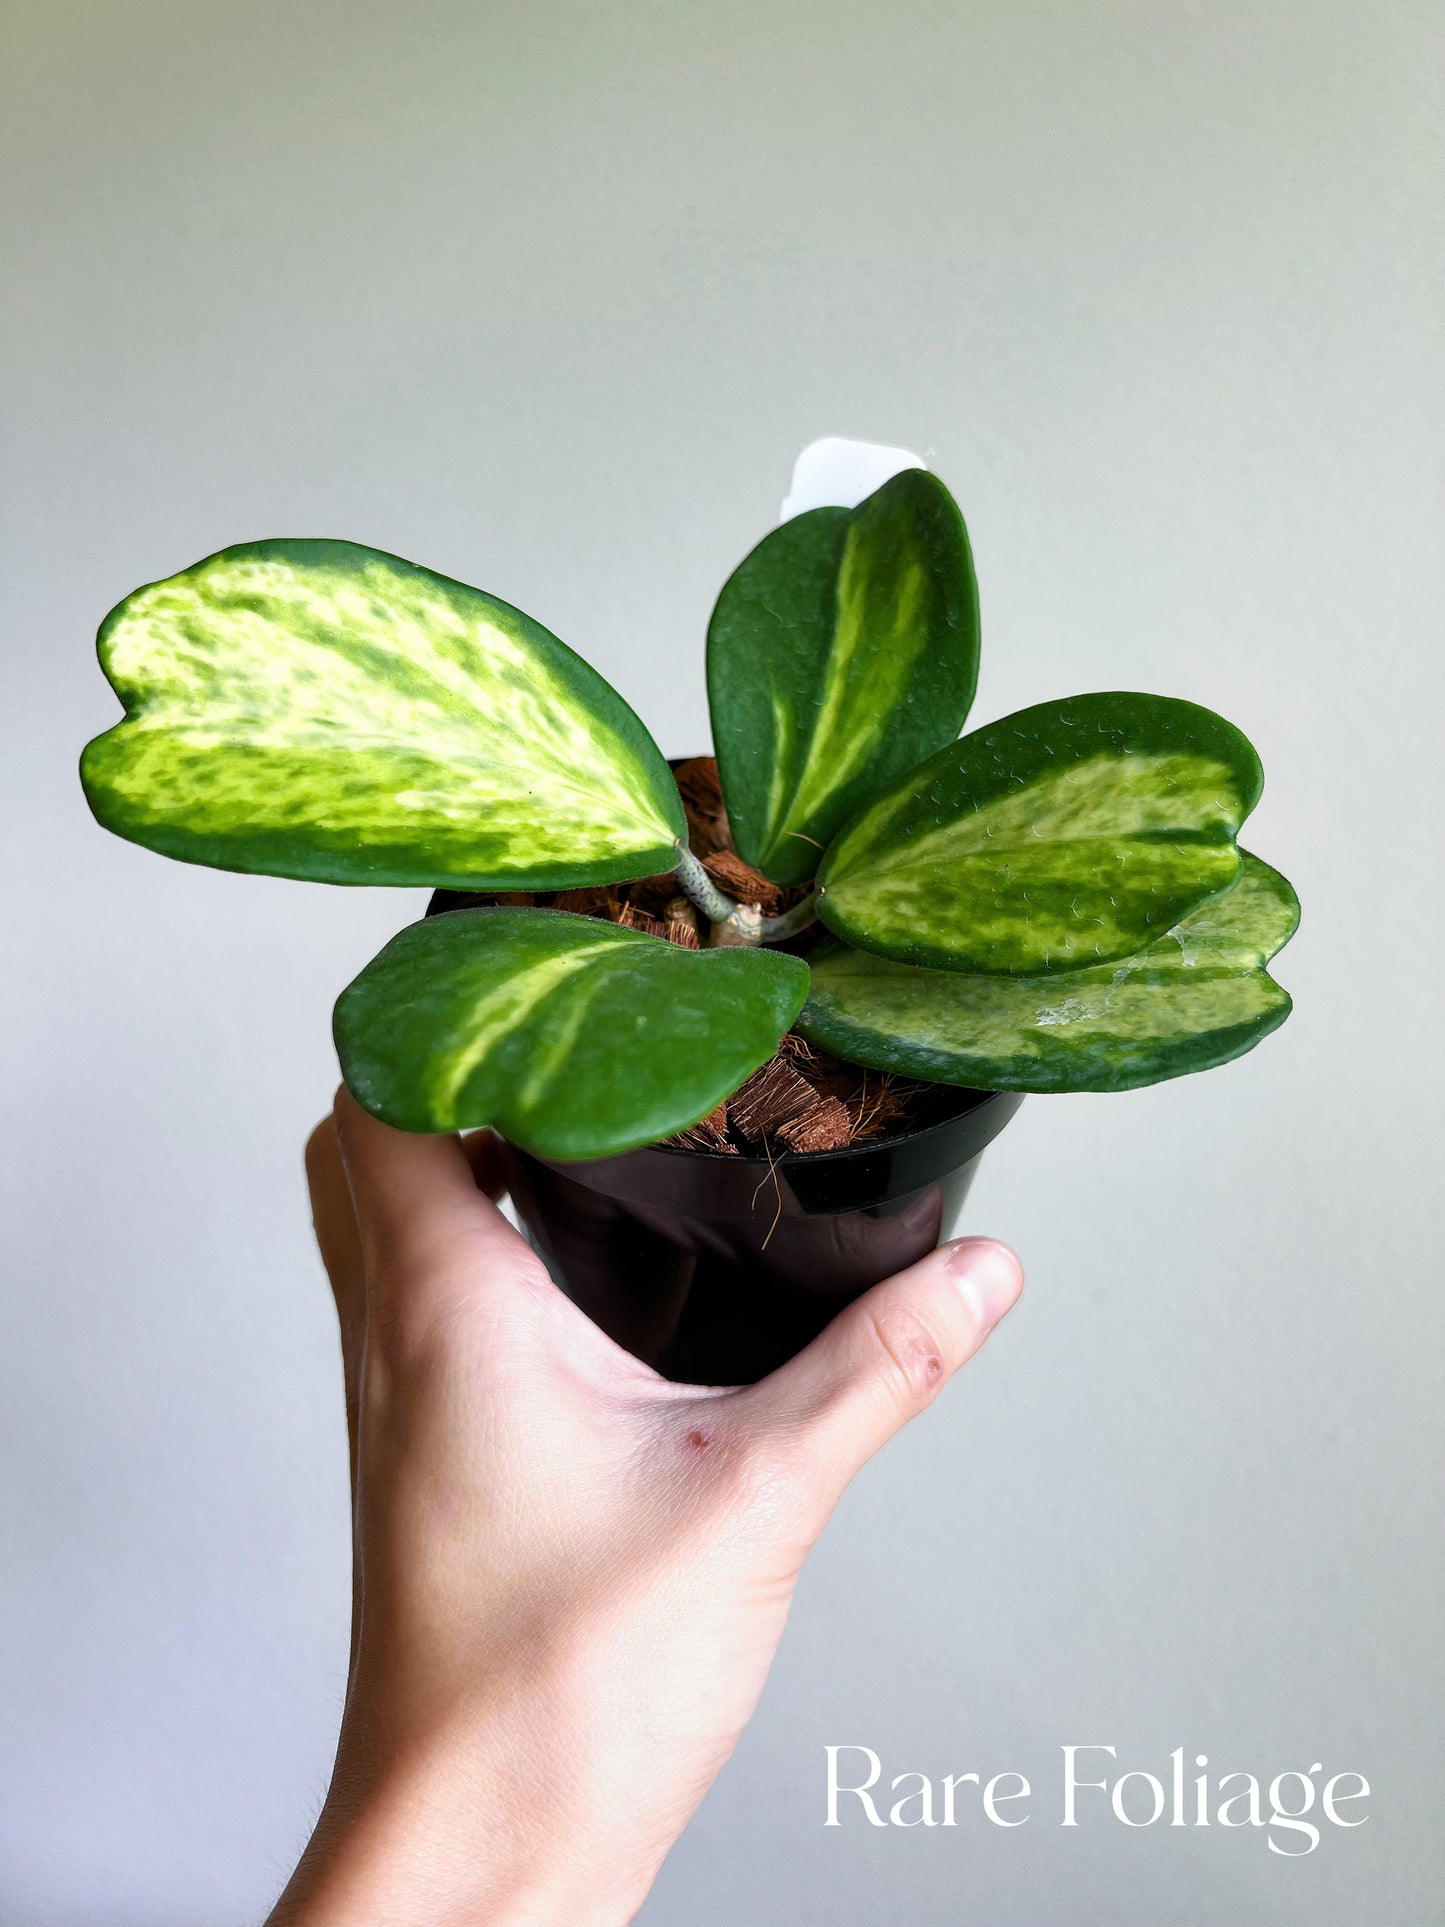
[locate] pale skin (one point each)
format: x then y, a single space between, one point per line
570 1575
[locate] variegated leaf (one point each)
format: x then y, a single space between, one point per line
1193 998
841 651
316 709
1065 835
576 1038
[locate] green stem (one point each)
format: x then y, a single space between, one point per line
778 929
741 922
716 905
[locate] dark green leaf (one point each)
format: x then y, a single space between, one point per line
841 651
1063 836
1192 999
576 1038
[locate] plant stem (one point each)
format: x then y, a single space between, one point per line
777 929
740 923
716 905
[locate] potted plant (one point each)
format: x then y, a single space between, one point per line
747 1024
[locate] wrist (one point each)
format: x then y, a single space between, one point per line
456 1834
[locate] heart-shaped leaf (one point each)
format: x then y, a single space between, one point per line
1063 836
841 651
1192 999
576 1038
316 709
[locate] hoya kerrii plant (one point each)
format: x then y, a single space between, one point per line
1053 902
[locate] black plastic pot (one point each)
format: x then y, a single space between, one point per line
717 1269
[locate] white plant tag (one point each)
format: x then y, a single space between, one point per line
835 472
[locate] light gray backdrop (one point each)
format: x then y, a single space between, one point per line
548 296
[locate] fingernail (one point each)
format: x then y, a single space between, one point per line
988 1276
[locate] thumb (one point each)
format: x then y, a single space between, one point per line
883 1359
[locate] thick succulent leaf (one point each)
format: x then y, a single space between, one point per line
316 709
1063 836
841 652
576 1038
1192 999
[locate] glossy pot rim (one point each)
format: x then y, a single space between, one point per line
863 1177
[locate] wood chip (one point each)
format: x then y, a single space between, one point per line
778 1103
702 802
598 901
881 1104
710 1133
680 921
742 881
804 1099
828 1128
877 1102
631 918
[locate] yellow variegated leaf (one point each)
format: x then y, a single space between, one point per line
1060 837
841 652
1193 998
317 709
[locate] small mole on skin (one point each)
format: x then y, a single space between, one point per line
933 1365
696 1438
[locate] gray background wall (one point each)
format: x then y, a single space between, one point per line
548 297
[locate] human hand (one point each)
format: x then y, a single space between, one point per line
570 1574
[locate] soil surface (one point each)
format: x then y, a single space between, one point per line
802 1099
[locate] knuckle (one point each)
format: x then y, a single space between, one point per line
913 1351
